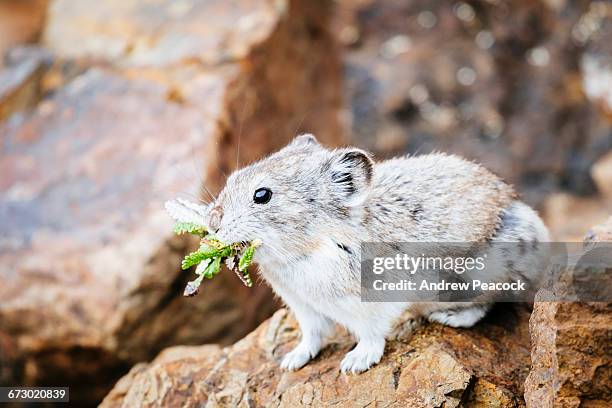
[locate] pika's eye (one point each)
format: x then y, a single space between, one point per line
262 195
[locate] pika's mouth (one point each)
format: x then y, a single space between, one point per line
240 245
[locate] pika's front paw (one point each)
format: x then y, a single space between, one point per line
295 359
360 359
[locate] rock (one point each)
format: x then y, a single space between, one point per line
90 272
602 175
437 366
496 82
568 216
571 360
171 40
596 62
20 86
21 21
164 34
571 355
56 72
601 232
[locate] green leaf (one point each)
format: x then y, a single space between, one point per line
205 252
202 267
195 258
213 268
246 258
214 245
190 228
209 272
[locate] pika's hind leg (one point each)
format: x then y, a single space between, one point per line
314 327
464 317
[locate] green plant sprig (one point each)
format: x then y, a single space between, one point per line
189 228
209 249
211 253
209 257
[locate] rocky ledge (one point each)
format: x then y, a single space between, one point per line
572 349
436 366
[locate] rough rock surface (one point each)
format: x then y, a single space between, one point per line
89 268
498 82
571 350
437 366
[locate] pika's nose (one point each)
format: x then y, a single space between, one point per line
214 222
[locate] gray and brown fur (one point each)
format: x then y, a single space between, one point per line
325 203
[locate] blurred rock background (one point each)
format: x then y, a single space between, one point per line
108 108
520 86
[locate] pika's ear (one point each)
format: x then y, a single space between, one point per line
350 175
305 140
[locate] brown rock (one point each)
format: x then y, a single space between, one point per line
568 216
57 72
20 86
21 21
89 269
571 350
602 175
497 82
438 366
164 34
170 41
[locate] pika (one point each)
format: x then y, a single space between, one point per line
312 207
